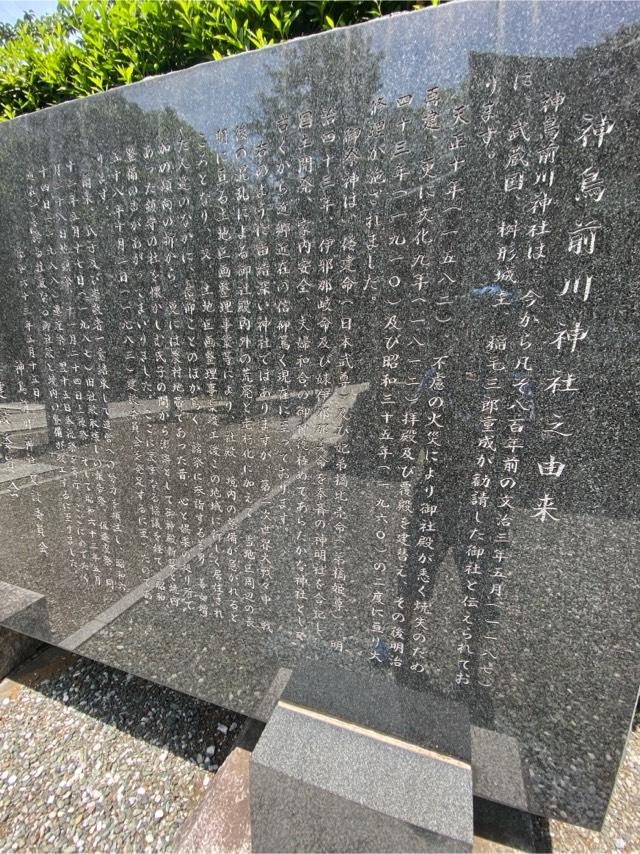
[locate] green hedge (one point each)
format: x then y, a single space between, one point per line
88 46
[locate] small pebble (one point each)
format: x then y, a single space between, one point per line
80 772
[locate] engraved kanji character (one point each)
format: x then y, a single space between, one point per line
583 237
545 509
582 282
595 128
552 468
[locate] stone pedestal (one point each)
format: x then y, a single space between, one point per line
25 625
324 782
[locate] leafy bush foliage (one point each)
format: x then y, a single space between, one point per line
88 46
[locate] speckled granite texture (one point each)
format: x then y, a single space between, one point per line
327 355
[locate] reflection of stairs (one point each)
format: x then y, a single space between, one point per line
17 469
324 423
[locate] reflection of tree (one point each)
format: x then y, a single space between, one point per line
151 297
313 121
13 218
317 104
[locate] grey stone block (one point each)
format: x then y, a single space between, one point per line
497 768
320 785
14 649
25 624
378 701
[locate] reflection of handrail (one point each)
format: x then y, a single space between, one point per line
75 640
337 405
118 409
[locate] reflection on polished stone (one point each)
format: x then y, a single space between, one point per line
320 362
424 718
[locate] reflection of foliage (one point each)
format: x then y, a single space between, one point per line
89 46
299 287
97 130
321 79
337 84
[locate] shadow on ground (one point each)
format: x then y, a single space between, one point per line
168 719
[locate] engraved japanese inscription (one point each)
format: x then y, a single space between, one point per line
329 352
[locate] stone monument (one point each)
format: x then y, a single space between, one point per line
323 359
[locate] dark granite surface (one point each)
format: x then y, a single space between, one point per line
328 354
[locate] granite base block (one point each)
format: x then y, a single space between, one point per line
14 649
24 616
319 784
423 718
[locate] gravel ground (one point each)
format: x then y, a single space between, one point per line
98 760
93 759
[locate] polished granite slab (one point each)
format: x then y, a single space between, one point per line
325 356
